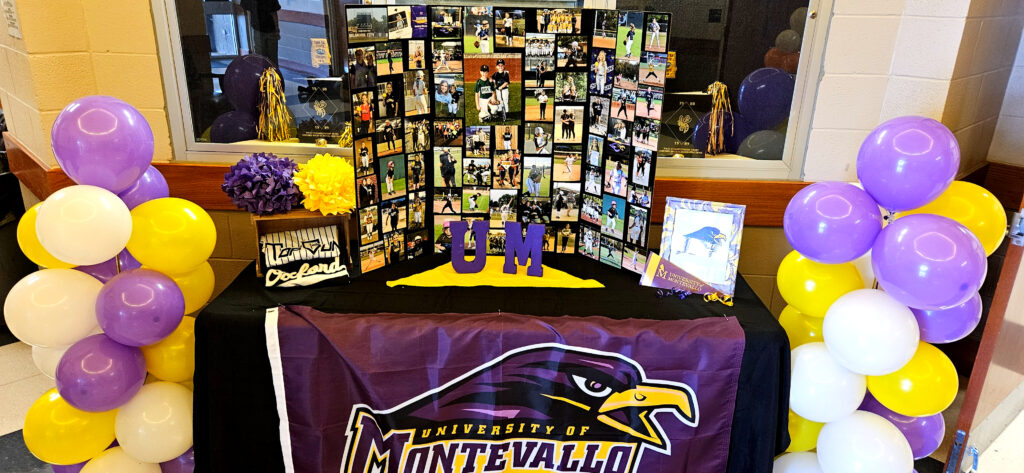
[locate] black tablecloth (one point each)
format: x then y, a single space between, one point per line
236 422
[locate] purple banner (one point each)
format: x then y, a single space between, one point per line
487 392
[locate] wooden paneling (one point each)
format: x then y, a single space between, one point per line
765 200
1006 182
31 171
305 18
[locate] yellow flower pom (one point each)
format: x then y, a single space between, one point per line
328 184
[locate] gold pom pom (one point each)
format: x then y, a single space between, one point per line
328 184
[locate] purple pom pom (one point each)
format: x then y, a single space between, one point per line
262 184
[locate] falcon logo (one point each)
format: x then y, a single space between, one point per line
540 408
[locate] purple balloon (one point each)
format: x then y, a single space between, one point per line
102 141
765 97
928 261
242 82
185 463
151 185
949 325
737 128
139 307
108 269
832 222
98 374
69 468
907 162
232 127
924 433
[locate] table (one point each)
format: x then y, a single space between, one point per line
236 422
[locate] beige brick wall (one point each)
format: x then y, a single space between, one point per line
72 48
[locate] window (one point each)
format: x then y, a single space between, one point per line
722 40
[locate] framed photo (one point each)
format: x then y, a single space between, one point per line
703 238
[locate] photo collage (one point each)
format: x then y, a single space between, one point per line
499 114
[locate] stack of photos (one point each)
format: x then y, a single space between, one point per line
499 114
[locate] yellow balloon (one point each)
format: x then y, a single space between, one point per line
926 385
974 207
800 328
171 235
195 285
55 432
811 287
174 358
29 242
803 433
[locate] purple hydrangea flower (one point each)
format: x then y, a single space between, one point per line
262 184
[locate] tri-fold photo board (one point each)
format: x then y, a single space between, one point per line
499 114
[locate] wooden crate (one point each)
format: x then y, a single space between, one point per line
297 220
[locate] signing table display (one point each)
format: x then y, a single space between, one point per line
622 378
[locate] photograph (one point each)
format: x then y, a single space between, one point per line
417 135
619 132
477 172
417 54
703 238
389 93
540 72
417 209
371 257
612 218
496 241
478 141
630 30
399 22
416 177
540 45
420 21
537 108
592 180
478 30
447 22
369 225
470 236
389 58
392 177
506 138
559 20
568 124
447 201
417 244
611 252
605 28
446 56
568 162
449 95
626 73
634 258
448 167
389 136
602 68
540 138
623 104
639 196
652 69
506 171
657 33
502 205
590 242
591 209
616 173
448 133
537 176
394 215
509 28
595 148
475 199
367 187
642 167
416 94
648 102
571 86
367 24
598 121
572 51
565 202
636 227
394 247
534 210
361 67
562 238
493 89
645 133
362 113
443 232
364 156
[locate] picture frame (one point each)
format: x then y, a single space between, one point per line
703 238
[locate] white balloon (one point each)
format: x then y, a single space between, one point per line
797 462
116 460
788 41
53 307
822 390
156 425
867 272
46 359
869 332
863 442
83 225
798 19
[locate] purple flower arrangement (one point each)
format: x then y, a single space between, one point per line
262 184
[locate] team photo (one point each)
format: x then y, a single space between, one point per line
534 210
559 20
